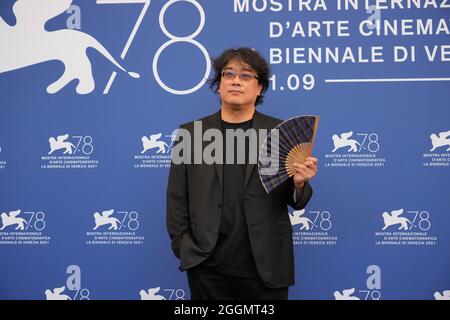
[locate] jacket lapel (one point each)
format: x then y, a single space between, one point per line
258 123
214 121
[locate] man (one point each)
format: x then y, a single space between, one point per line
234 239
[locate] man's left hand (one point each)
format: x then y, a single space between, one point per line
304 172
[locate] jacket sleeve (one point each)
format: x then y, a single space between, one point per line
298 201
177 209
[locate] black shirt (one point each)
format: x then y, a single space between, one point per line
233 254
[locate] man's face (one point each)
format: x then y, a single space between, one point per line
239 86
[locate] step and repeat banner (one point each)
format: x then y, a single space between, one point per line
92 91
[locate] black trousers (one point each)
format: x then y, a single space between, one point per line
208 284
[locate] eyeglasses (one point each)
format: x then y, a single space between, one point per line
244 76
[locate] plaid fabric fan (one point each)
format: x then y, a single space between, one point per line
290 142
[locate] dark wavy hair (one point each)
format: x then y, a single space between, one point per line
248 56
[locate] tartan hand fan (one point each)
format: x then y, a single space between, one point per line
290 142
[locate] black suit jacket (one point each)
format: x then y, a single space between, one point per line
194 211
